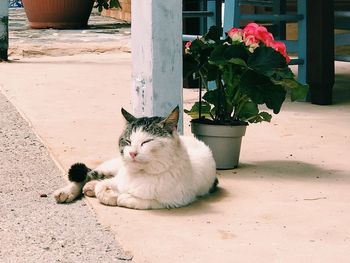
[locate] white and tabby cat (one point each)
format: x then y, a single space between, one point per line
157 169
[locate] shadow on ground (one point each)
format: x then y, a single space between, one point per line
283 169
108 26
341 91
204 205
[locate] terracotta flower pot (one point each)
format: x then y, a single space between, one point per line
58 14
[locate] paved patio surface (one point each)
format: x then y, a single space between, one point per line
103 34
288 201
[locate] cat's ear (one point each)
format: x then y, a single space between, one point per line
128 117
171 121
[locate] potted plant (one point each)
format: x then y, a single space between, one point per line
63 14
247 69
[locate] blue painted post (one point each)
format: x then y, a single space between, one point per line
203 20
279 7
3 29
156 47
231 15
302 41
211 20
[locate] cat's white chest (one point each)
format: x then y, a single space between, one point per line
141 185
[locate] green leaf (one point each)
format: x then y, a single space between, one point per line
282 73
213 72
235 52
248 110
217 54
265 116
261 90
298 90
213 111
211 96
114 4
238 61
196 45
262 116
266 61
222 54
214 33
194 112
231 77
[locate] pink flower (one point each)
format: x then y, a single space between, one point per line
250 29
187 47
259 32
188 44
250 40
281 48
233 31
236 34
253 34
265 37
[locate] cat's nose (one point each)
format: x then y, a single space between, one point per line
133 154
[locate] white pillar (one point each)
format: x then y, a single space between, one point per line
156 47
4 14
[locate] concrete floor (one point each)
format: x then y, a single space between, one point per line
287 202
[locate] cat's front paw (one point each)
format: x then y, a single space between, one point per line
63 196
105 194
67 194
129 201
108 198
89 188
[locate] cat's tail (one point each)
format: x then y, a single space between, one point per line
214 187
80 173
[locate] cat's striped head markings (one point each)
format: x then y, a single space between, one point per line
145 138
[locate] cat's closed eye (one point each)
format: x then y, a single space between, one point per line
147 141
128 142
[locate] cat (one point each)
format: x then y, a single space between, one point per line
157 168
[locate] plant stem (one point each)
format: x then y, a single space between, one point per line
204 81
240 105
200 98
221 103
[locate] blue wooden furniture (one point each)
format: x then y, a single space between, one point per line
209 13
342 21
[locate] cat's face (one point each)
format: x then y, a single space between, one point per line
146 142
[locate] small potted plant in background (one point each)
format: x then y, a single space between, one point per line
248 68
63 14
